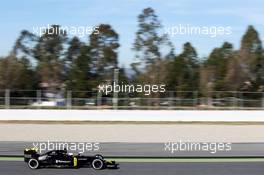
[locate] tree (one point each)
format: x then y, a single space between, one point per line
246 67
151 47
149 41
24 45
184 70
206 81
250 42
251 53
16 74
74 49
238 74
79 73
217 63
48 52
104 45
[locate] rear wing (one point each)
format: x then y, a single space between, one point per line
30 153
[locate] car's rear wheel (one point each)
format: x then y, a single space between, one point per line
97 164
33 164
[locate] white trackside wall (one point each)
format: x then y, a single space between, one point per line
134 115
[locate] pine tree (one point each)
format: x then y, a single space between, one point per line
48 52
184 70
149 40
246 68
16 74
104 45
151 48
79 78
217 63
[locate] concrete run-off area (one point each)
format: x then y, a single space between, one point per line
129 132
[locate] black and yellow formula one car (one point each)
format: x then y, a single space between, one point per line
62 159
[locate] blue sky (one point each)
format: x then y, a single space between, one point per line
16 15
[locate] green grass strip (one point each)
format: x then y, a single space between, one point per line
186 160
11 159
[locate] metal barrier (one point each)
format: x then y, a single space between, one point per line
41 99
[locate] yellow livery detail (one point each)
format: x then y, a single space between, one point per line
75 162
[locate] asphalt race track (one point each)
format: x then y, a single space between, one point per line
145 150
253 168
226 166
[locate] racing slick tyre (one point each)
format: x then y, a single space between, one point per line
97 164
33 164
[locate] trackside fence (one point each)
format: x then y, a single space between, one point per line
43 99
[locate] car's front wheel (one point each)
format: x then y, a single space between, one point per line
33 164
97 164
